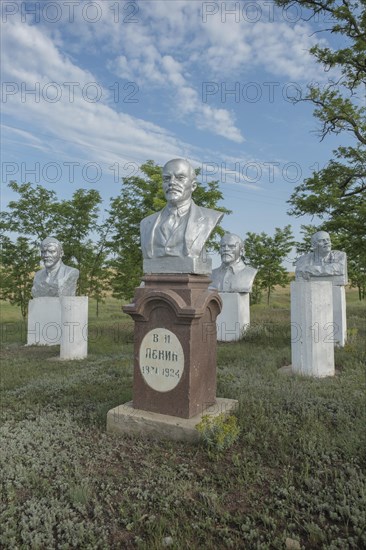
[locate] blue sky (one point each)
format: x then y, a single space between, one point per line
116 83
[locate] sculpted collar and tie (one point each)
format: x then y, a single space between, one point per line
327 259
53 272
234 267
173 240
234 277
180 211
200 222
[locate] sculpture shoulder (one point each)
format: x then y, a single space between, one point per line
40 274
339 256
217 274
213 215
145 222
304 259
249 270
67 271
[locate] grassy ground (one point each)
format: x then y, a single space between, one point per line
297 471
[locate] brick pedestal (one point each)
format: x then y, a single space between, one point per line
175 344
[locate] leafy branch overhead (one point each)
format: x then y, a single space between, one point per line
336 193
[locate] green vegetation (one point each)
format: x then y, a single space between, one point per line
267 254
103 242
336 192
218 433
296 471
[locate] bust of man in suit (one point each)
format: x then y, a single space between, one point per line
173 239
56 279
322 263
233 275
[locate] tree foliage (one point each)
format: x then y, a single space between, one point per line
140 196
339 106
336 193
33 214
36 214
267 255
18 262
107 253
341 240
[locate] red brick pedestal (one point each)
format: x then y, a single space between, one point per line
175 344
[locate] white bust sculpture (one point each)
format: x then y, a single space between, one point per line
233 275
181 229
56 279
322 263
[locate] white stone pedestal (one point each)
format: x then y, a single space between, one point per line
234 317
44 322
312 328
74 316
339 315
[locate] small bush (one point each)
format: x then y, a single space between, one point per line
218 433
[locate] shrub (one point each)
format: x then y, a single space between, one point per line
218 433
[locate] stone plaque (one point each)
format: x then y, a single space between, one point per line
161 359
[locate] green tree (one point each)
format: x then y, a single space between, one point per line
36 214
140 196
336 193
77 219
341 240
18 261
267 255
304 246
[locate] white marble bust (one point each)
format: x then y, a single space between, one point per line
322 263
233 275
178 232
56 279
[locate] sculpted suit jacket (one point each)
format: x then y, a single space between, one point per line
237 277
201 221
61 283
334 268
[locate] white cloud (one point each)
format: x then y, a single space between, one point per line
170 45
174 46
148 66
92 129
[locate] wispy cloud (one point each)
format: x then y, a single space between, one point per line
95 129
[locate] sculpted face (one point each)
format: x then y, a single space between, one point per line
51 253
231 248
321 242
179 181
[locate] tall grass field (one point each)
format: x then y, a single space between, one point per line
293 479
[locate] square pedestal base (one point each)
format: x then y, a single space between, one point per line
287 370
339 315
234 318
174 344
44 321
312 328
124 419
